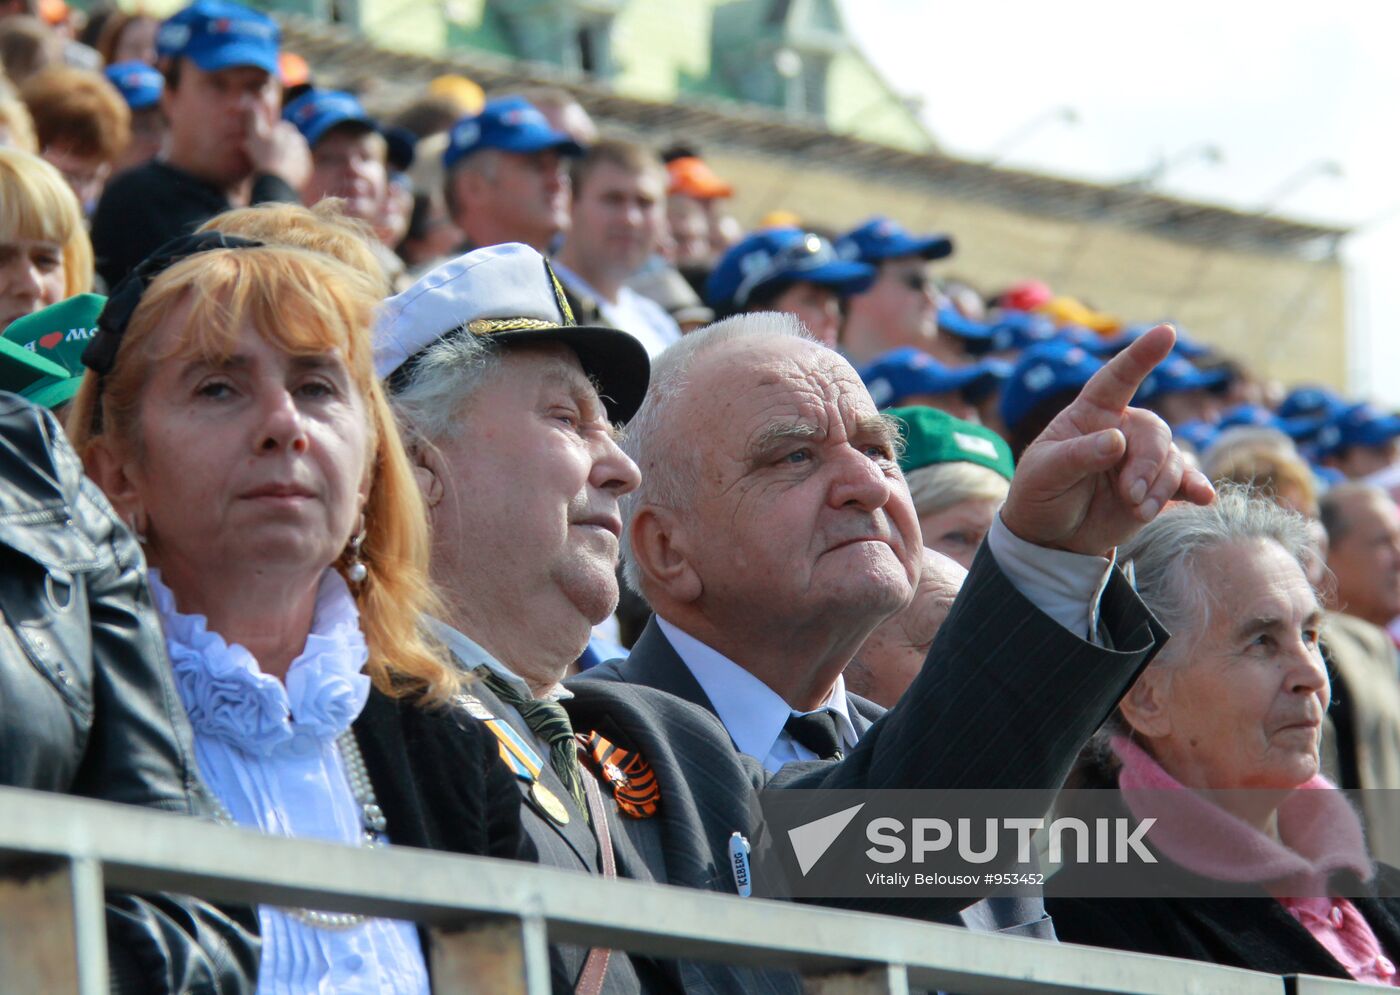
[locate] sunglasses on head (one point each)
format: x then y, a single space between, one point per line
807 253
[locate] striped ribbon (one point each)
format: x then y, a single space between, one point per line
629 776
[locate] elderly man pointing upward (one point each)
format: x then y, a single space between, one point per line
775 542
774 539
496 387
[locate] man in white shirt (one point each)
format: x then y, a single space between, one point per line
618 214
773 541
775 537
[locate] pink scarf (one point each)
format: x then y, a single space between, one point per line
1321 832
1321 835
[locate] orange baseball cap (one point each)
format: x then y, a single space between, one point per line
292 69
780 219
464 92
53 11
1070 311
692 177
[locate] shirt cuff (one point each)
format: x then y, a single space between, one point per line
1066 586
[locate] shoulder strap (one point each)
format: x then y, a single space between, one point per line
595 968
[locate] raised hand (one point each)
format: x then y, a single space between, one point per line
276 147
1101 469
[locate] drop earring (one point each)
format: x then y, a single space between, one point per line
356 572
136 525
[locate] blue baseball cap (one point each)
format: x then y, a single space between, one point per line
1198 434
953 322
997 371
1019 330
781 254
1184 346
907 372
217 34
880 239
1010 330
318 111
1086 338
1328 476
1357 425
1044 370
511 124
1297 429
1176 375
1311 402
1253 415
139 84
1301 430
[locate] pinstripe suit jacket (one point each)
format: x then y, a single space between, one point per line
655 663
1012 699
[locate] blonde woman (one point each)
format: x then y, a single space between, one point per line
45 255
232 415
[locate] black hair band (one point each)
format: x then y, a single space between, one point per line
101 353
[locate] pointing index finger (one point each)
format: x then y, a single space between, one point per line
1113 387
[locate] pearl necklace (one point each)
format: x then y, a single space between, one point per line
371 836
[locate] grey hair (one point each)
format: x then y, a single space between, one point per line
1161 559
445 376
1163 556
670 472
941 485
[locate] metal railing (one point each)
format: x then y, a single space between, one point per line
490 921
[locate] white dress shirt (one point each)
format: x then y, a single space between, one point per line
1066 586
641 317
267 749
753 714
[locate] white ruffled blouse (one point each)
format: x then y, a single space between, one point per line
268 751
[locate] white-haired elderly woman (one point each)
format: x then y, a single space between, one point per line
958 472
1233 707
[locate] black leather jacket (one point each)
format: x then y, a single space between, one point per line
87 705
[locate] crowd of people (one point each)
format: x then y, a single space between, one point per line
464 479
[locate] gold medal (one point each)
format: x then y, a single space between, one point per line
550 802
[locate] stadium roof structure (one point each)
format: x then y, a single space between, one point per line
341 57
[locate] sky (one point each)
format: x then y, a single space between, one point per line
1282 89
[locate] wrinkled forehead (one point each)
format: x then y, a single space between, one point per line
757 385
1253 578
550 363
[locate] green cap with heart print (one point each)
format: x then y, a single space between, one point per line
58 333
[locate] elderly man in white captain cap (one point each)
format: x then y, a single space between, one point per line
508 407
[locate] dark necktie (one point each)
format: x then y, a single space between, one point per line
817 732
548 721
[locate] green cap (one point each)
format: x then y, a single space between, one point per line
933 436
58 333
22 371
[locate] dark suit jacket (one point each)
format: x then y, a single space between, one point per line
1012 698
571 846
1256 933
654 662
440 780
